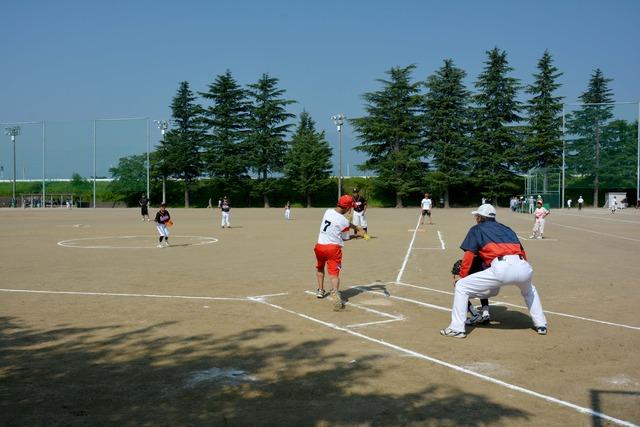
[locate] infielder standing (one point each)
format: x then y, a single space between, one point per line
225 208
287 211
144 207
539 219
359 210
426 208
498 246
614 205
580 202
334 229
162 218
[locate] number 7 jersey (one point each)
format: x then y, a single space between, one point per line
332 227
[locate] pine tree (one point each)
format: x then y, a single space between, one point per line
391 133
447 121
542 147
584 151
225 151
266 131
180 149
308 164
495 134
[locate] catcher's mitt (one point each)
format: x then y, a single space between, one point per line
476 266
455 270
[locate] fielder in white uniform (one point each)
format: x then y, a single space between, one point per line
538 226
614 204
425 205
225 207
498 246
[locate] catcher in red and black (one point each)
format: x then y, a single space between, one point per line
477 317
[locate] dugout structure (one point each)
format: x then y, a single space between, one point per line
52 200
601 151
546 183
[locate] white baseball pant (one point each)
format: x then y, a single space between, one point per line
511 270
163 230
538 227
359 219
225 219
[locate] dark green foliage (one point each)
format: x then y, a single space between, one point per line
266 131
495 135
448 123
391 133
542 146
129 179
308 163
585 128
226 149
180 150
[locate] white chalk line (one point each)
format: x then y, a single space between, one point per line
409 300
370 310
69 243
427 249
597 217
109 294
406 257
487 378
441 241
596 232
604 322
261 299
586 230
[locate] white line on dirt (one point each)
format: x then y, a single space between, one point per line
441 241
621 325
107 294
261 300
370 310
406 257
487 378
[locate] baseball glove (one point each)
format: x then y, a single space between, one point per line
455 270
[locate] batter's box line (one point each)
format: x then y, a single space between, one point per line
571 316
392 317
460 369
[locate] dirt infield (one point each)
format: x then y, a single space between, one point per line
100 327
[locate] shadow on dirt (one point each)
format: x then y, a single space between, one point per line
114 375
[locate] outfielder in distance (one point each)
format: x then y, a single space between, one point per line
499 247
334 229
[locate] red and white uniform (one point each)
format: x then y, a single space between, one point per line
540 214
334 229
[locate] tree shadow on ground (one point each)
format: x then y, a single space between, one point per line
114 375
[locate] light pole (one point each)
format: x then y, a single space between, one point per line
163 125
13 132
339 121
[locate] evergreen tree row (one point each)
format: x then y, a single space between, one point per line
416 134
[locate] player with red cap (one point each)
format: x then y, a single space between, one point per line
334 230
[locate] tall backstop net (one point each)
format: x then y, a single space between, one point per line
85 151
545 183
601 152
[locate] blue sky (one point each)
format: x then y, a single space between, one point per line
80 60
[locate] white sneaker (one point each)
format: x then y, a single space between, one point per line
160 245
321 293
166 243
539 237
532 237
448 332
